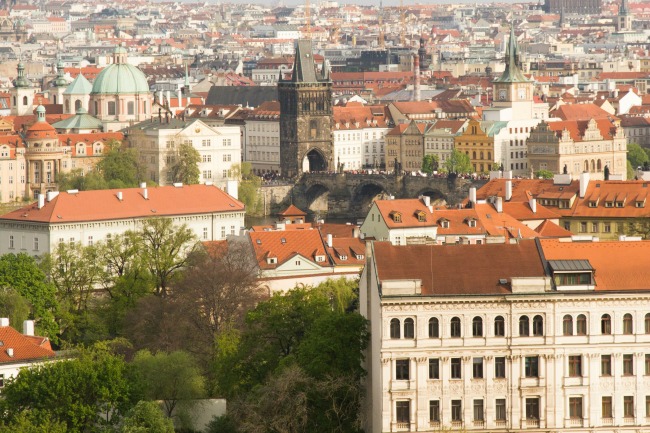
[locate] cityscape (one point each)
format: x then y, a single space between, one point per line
318 216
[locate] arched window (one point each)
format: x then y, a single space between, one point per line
524 326
434 328
581 325
605 324
627 324
110 108
54 99
477 327
25 100
96 108
567 325
499 326
455 327
77 104
394 328
647 323
538 326
473 154
67 106
409 328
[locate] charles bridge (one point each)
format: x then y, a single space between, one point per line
351 194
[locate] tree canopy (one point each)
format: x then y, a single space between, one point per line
458 163
637 156
186 166
430 163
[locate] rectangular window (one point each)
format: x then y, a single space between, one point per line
647 406
532 408
434 368
647 364
606 365
403 411
11 242
606 407
478 410
36 244
500 367
575 407
575 366
477 368
232 230
402 369
531 366
2 380
90 240
500 406
628 365
226 157
594 227
456 410
434 410
223 232
583 227
456 366
205 232
628 406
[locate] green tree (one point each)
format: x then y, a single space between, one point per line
24 424
13 306
120 167
84 393
631 170
77 179
430 163
173 378
146 417
544 174
186 167
21 274
249 187
636 155
166 249
458 163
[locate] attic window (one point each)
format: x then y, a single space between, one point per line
577 274
343 257
395 216
272 260
620 204
320 258
609 204
359 256
640 203
258 242
471 222
593 203
421 216
444 224
283 241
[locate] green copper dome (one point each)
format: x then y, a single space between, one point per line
120 78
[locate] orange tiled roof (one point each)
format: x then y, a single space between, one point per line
626 192
26 348
283 245
104 205
619 265
549 229
407 209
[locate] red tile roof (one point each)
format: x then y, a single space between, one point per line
407 208
549 229
26 348
580 112
284 245
618 265
459 269
104 205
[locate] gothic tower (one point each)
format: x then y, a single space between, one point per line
624 17
513 90
305 116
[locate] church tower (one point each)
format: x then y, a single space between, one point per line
513 89
624 17
305 116
59 84
22 94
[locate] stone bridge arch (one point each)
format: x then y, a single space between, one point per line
437 197
366 193
317 197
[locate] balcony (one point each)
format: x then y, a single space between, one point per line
607 422
576 422
402 426
456 424
628 420
478 424
532 423
435 425
500 423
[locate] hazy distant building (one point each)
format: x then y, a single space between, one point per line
584 7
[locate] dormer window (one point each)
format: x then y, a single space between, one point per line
572 274
593 203
609 204
272 260
343 257
620 204
444 223
359 256
421 216
471 222
319 258
639 203
395 216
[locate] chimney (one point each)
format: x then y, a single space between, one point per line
472 196
4 321
50 195
356 232
508 190
533 205
584 183
499 204
416 78
507 174
41 201
143 185
426 200
232 188
329 240
28 328
145 194
119 195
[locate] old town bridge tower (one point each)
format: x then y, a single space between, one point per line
305 116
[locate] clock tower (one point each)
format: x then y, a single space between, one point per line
305 116
513 90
